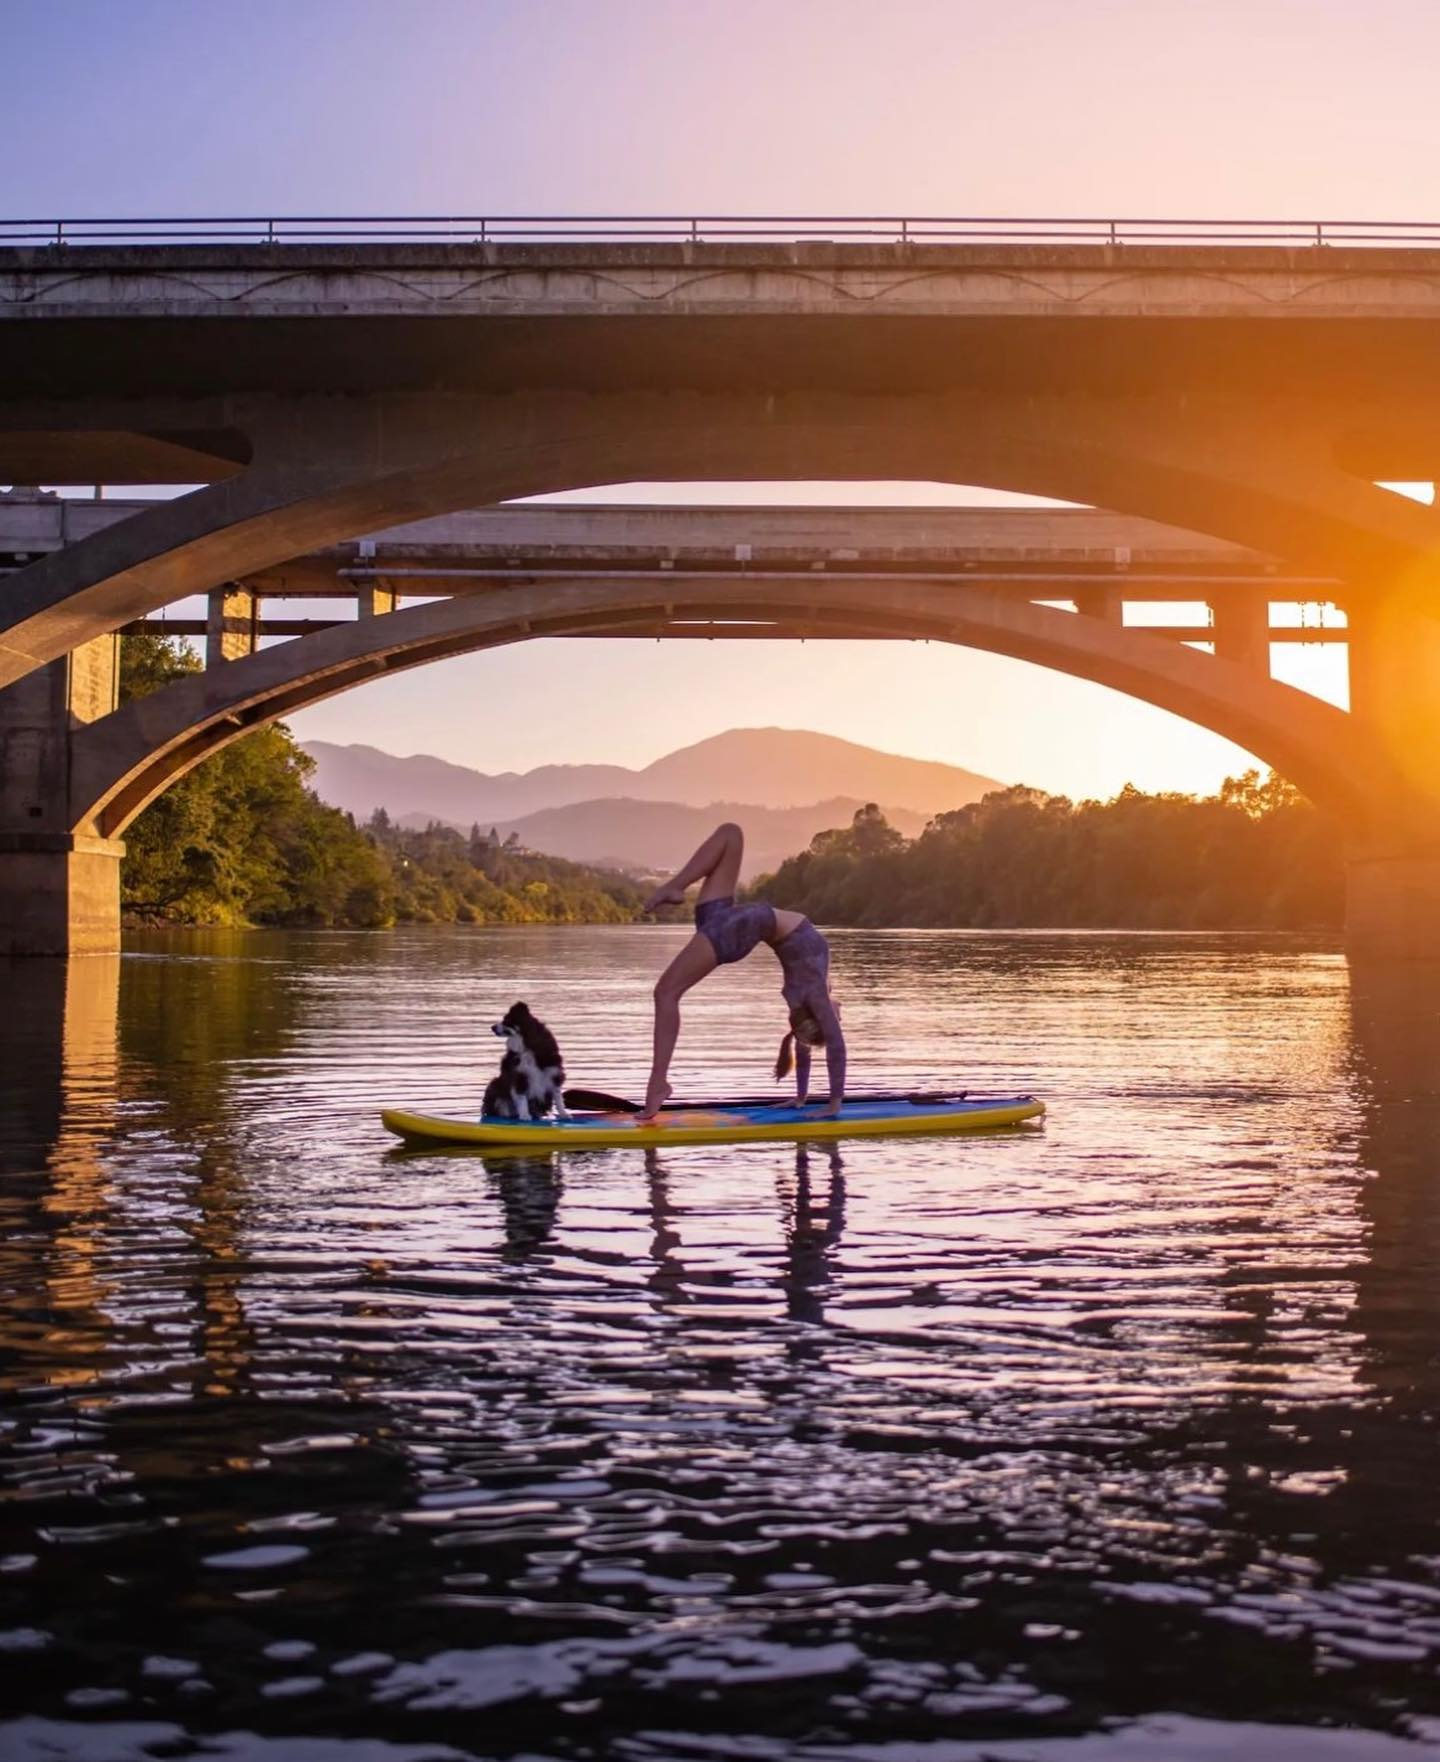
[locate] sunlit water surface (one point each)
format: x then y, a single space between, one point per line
1114 1437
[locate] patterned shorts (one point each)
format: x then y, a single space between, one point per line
734 931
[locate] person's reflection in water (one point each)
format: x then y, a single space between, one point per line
812 1233
667 1281
529 1189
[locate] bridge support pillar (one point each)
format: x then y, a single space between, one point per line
1395 682
59 893
1392 908
1393 885
372 601
230 624
1106 602
1242 632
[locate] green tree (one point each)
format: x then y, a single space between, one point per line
241 839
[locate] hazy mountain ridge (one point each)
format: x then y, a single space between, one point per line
763 767
783 785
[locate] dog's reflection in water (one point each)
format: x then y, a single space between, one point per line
529 1189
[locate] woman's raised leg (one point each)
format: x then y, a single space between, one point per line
688 968
716 864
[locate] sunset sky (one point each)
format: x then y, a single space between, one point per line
1237 108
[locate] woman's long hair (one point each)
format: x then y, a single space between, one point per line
805 1026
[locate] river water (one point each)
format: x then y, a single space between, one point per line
1114 1437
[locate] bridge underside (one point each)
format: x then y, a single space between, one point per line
1252 396
121 760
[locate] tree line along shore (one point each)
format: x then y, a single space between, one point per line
243 840
1256 855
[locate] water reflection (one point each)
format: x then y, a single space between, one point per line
813 1228
529 1190
1388 1489
776 1451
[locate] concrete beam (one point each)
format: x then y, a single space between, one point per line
1077 283
288 627
861 540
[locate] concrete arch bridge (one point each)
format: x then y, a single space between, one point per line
1252 395
1054 587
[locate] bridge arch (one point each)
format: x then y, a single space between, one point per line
312 484
120 763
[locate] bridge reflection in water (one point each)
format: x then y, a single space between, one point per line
1129 1417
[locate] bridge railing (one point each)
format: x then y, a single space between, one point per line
318 229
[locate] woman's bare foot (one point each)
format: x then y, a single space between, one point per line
669 894
655 1098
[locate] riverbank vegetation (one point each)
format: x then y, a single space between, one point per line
441 876
242 840
1255 855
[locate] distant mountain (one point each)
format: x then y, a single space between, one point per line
362 778
788 767
655 836
766 767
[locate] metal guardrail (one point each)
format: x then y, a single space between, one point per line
711 229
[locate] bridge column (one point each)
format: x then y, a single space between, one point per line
59 893
372 601
1242 631
1105 601
1393 880
231 618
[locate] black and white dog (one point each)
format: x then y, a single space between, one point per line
532 1078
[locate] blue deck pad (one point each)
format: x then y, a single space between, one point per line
703 1113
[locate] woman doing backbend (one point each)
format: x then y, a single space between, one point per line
726 932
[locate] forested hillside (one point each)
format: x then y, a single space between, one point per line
1257 855
441 876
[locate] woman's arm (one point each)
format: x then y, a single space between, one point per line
829 1020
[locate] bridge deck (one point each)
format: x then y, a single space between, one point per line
95 322
1020 550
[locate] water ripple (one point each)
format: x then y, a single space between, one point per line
1111 1438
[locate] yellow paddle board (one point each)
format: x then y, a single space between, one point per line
890 1117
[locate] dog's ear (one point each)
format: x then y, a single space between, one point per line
521 1010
